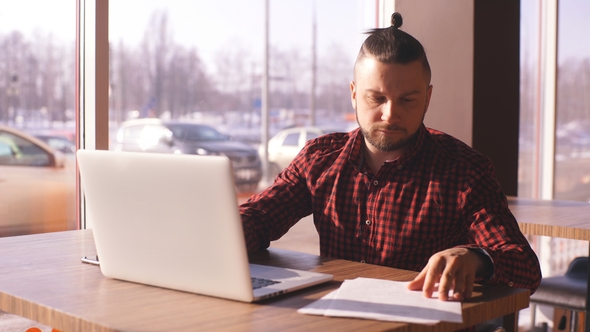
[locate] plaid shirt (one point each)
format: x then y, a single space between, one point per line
439 194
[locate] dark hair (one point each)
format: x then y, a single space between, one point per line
392 45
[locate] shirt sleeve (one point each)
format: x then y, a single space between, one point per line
493 228
267 216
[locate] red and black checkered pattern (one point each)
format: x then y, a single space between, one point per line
439 194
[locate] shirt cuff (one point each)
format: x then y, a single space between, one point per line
489 269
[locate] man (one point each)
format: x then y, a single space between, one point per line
395 193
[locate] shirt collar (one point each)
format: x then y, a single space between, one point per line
415 148
354 147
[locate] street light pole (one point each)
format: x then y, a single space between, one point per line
264 99
313 66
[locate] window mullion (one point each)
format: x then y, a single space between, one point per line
92 81
547 116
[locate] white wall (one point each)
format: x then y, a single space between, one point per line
445 29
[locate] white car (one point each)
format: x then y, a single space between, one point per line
37 186
286 144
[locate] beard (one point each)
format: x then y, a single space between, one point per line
384 143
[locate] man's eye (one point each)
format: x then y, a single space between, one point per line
376 99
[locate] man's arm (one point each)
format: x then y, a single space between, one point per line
270 214
497 251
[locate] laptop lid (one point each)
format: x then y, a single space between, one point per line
172 221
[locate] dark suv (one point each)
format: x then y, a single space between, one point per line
153 135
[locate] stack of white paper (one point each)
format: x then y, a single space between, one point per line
384 300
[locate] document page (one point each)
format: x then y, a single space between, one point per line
384 300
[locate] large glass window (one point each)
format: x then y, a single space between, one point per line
529 98
571 159
572 107
572 153
37 118
201 62
572 136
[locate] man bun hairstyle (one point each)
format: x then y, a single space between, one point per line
396 20
393 45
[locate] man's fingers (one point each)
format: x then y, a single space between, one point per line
423 281
469 281
453 269
445 284
432 277
418 282
459 288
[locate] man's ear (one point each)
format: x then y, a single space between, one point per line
353 94
428 95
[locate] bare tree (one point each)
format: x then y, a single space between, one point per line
14 50
233 76
573 91
48 78
156 46
189 88
334 75
290 76
160 77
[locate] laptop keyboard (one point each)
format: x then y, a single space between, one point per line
260 282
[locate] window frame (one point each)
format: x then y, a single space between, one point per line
544 167
92 86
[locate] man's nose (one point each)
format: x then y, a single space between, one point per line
389 112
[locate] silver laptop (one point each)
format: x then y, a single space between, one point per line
172 221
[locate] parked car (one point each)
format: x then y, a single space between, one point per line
154 135
286 144
37 186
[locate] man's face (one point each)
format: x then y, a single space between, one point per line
390 102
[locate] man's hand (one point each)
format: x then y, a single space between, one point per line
453 269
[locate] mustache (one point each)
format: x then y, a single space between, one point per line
388 127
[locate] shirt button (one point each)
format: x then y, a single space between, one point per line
399 167
511 284
375 182
368 222
362 260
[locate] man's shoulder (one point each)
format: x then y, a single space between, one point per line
455 149
322 152
329 143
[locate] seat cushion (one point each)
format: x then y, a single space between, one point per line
563 292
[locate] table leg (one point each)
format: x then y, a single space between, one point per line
511 322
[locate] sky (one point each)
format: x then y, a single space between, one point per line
210 25
213 25
573 39
57 16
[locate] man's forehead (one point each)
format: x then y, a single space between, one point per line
403 93
372 64
370 68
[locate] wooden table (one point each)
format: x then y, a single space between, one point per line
42 278
564 219
554 218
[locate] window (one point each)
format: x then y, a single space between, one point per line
572 152
37 93
571 180
309 136
37 187
196 62
24 152
291 140
543 172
